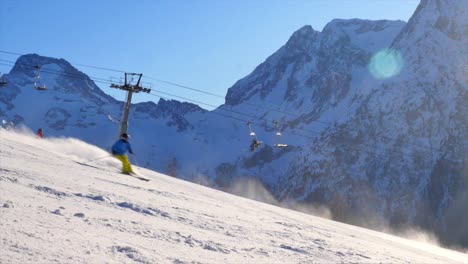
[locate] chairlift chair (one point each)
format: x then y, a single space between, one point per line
255 142
41 88
278 135
37 77
250 129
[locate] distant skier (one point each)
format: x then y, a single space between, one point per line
119 149
255 144
39 133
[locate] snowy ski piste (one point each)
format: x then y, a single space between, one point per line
54 210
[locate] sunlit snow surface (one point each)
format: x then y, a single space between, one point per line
53 210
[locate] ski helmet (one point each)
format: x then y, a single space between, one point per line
124 136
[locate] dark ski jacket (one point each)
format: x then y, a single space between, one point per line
39 133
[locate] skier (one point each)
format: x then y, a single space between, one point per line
119 149
254 145
39 133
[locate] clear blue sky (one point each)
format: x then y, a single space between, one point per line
205 44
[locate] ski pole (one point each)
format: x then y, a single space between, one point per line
97 159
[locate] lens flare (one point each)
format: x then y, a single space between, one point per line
385 64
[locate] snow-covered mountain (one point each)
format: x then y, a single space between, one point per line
401 156
374 113
55 210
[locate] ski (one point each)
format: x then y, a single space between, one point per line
137 176
131 175
87 165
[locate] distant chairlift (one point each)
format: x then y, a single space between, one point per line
37 79
278 135
255 142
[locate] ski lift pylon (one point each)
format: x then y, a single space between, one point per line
37 78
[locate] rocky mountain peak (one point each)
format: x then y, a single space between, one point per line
167 107
302 40
172 110
310 54
446 16
58 75
367 35
26 64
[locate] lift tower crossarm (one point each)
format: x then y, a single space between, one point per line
130 90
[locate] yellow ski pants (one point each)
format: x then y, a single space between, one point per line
126 166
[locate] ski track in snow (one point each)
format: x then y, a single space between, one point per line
54 210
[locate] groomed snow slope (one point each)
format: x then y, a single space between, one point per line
53 210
